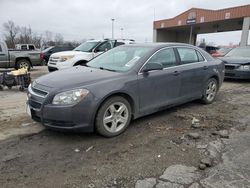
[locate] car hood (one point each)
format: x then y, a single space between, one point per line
69 53
235 60
75 77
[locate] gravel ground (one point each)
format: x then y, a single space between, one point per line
34 157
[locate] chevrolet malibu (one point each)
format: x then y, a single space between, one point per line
125 83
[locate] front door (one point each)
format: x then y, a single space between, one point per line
160 87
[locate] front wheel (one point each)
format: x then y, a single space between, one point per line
210 91
113 117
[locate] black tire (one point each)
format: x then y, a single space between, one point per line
102 128
206 99
23 63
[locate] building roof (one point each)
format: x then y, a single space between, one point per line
204 16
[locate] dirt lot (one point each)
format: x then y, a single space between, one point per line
34 157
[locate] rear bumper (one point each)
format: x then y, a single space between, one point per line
237 74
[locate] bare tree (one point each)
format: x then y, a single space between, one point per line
47 38
11 31
25 36
58 39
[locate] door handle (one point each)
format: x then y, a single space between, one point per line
205 67
176 73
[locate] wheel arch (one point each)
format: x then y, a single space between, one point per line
114 94
20 58
80 62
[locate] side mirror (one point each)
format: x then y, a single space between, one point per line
152 66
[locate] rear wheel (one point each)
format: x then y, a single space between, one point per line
23 63
113 117
210 91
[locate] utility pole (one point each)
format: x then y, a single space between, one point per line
190 36
113 20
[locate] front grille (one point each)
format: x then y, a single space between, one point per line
39 92
230 67
34 104
54 59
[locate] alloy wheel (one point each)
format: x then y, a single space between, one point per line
115 117
211 90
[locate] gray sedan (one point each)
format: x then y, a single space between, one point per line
124 83
237 63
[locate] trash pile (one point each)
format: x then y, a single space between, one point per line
20 77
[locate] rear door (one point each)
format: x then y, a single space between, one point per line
3 57
161 87
193 72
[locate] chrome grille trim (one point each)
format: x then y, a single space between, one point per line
37 92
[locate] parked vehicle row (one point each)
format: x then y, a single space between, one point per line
83 53
19 58
54 49
125 83
237 63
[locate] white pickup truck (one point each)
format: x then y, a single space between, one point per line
83 53
18 58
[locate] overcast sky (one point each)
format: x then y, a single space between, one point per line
82 19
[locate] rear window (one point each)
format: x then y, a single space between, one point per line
31 47
187 55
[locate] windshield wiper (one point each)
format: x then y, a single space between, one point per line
102 68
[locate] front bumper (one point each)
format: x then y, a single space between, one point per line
79 117
59 65
237 74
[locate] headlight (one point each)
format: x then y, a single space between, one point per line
65 58
245 67
70 97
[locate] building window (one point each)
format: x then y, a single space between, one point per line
227 15
179 22
192 15
202 19
162 25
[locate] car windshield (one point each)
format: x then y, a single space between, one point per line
119 59
47 49
86 46
239 52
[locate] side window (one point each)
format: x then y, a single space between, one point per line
166 57
119 43
200 57
31 47
187 55
1 49
24 47
104 47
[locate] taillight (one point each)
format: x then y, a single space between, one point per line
41 55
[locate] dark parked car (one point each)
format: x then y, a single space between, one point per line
124 83
237 63
209 49
53 49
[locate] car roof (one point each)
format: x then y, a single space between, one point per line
160 44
